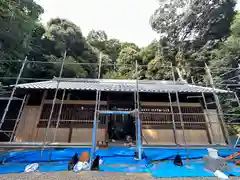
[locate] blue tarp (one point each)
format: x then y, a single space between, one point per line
116 159
153 154
169 170
44 167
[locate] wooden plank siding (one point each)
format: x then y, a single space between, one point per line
77 116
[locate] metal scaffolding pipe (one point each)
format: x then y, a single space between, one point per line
208 118
115 112
18 118
53 104
173 118
137 117
218 106
95 121
59 116
13 92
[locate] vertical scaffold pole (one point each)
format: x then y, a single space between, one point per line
209 123
53 104
18 118
95 121
179 111
173 118
225 131
58 121
59 116
13 92
137 116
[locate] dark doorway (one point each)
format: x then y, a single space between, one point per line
120 126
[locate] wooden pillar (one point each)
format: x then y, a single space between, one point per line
68 96
70 133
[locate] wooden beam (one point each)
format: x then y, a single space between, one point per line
74 102
143 103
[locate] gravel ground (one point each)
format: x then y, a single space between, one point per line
89 176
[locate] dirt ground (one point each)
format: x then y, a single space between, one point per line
89 176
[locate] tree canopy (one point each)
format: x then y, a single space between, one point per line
191 33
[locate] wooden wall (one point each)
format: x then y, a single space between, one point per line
27 126
158 134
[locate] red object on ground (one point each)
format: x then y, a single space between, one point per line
232 156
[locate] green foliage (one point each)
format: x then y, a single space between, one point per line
192 29
17 20
192 34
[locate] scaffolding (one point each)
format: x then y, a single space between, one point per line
136 113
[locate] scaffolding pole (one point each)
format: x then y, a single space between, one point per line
173 118
18 118
137 116
180 111
219 108
53 104
212 136
96 115
13 92
58 122
59 116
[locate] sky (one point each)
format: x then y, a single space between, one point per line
126 20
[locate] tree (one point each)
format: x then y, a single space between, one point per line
227 55
224 69
131 45
18 19
192 28
97 39
113 48
159 69
197 21
66 37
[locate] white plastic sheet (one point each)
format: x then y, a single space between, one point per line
31 168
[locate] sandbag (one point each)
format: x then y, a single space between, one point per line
78 167
84 157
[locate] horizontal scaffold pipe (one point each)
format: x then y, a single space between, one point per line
116 112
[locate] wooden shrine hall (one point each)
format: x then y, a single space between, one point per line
170 113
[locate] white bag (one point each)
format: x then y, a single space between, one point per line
78 167
31 168
221 175
85 166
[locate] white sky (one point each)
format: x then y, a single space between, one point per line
126 20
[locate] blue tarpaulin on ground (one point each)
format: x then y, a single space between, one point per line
44 167
169 170
125 169
153 154
115 159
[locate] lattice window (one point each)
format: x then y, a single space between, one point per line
72 114
192 117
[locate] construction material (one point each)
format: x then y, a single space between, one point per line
95 164
178 161
31 168
84 157
73 162
213 153
214 164
221 175
232 156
